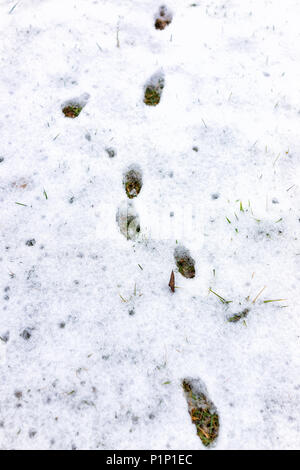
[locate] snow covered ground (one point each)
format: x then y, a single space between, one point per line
94 345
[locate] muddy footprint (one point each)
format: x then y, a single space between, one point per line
153 89
128 221
163 18
184 262
202 411
133 181
72 108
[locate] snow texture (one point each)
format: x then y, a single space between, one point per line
94 345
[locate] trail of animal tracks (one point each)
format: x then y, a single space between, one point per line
139 139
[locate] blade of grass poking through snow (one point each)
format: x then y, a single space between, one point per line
122 298
45 194
229 221
260 292
224 301
274 300
241 207
118 40
276 159
20 204
13 8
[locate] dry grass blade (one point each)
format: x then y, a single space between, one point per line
260 292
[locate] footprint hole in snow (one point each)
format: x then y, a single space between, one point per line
153 89
133 181
185 263
202 410
163 18
73 107
128 221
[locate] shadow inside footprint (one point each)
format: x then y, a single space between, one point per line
133 181
202 411
153 89
128 221
72 108
163 18
184 262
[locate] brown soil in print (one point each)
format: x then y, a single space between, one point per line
184 262
133 181
202 411
163 18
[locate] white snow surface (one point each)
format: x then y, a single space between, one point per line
92 375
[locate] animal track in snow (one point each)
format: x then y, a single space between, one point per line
133 181
128 221
184 262
202 411
127 217
72 108
153 89
163 18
